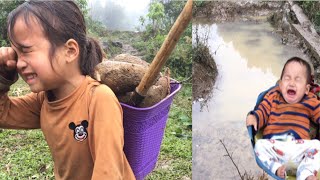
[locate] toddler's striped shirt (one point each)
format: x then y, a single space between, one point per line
277 116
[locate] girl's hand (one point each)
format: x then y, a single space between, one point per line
8 61
252 120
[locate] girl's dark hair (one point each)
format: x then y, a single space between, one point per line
302 62
60 21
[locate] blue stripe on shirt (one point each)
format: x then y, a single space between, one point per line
290 124
265 110
264 118
267 102
290 113
309 106
257 117
277 102
276 91
317 107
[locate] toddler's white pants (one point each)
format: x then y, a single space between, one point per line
300 157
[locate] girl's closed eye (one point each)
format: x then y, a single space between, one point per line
23 48
26 50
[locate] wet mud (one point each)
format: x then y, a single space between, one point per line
204 73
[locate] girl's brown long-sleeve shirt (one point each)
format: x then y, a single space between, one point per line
84 130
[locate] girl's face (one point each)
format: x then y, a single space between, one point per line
34 63
293 84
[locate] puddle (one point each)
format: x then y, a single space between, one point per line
249 57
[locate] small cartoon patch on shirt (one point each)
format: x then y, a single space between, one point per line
80 132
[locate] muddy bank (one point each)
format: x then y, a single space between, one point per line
204 73
220 11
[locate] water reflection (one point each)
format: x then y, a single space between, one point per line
258 44
249 59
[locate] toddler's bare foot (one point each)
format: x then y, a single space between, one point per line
311 178
281 172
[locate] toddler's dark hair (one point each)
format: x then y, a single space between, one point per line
302 62
60 21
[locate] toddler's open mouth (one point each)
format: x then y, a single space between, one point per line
291 92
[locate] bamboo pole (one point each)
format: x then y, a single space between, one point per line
161 57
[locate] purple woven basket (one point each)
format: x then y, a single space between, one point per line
143 133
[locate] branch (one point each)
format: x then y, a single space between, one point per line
230 156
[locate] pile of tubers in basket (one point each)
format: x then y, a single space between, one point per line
123 74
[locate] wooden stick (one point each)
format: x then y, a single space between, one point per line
166 48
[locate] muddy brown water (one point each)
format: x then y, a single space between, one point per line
249 57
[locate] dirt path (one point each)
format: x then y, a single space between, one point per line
128 49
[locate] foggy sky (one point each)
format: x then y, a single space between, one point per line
118 14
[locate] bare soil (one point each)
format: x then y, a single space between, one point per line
226 11
204 73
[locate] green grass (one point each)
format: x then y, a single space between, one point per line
19 88
24 154
175 159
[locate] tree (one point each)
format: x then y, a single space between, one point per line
83 5
162 15
172 10
5 8
156 15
